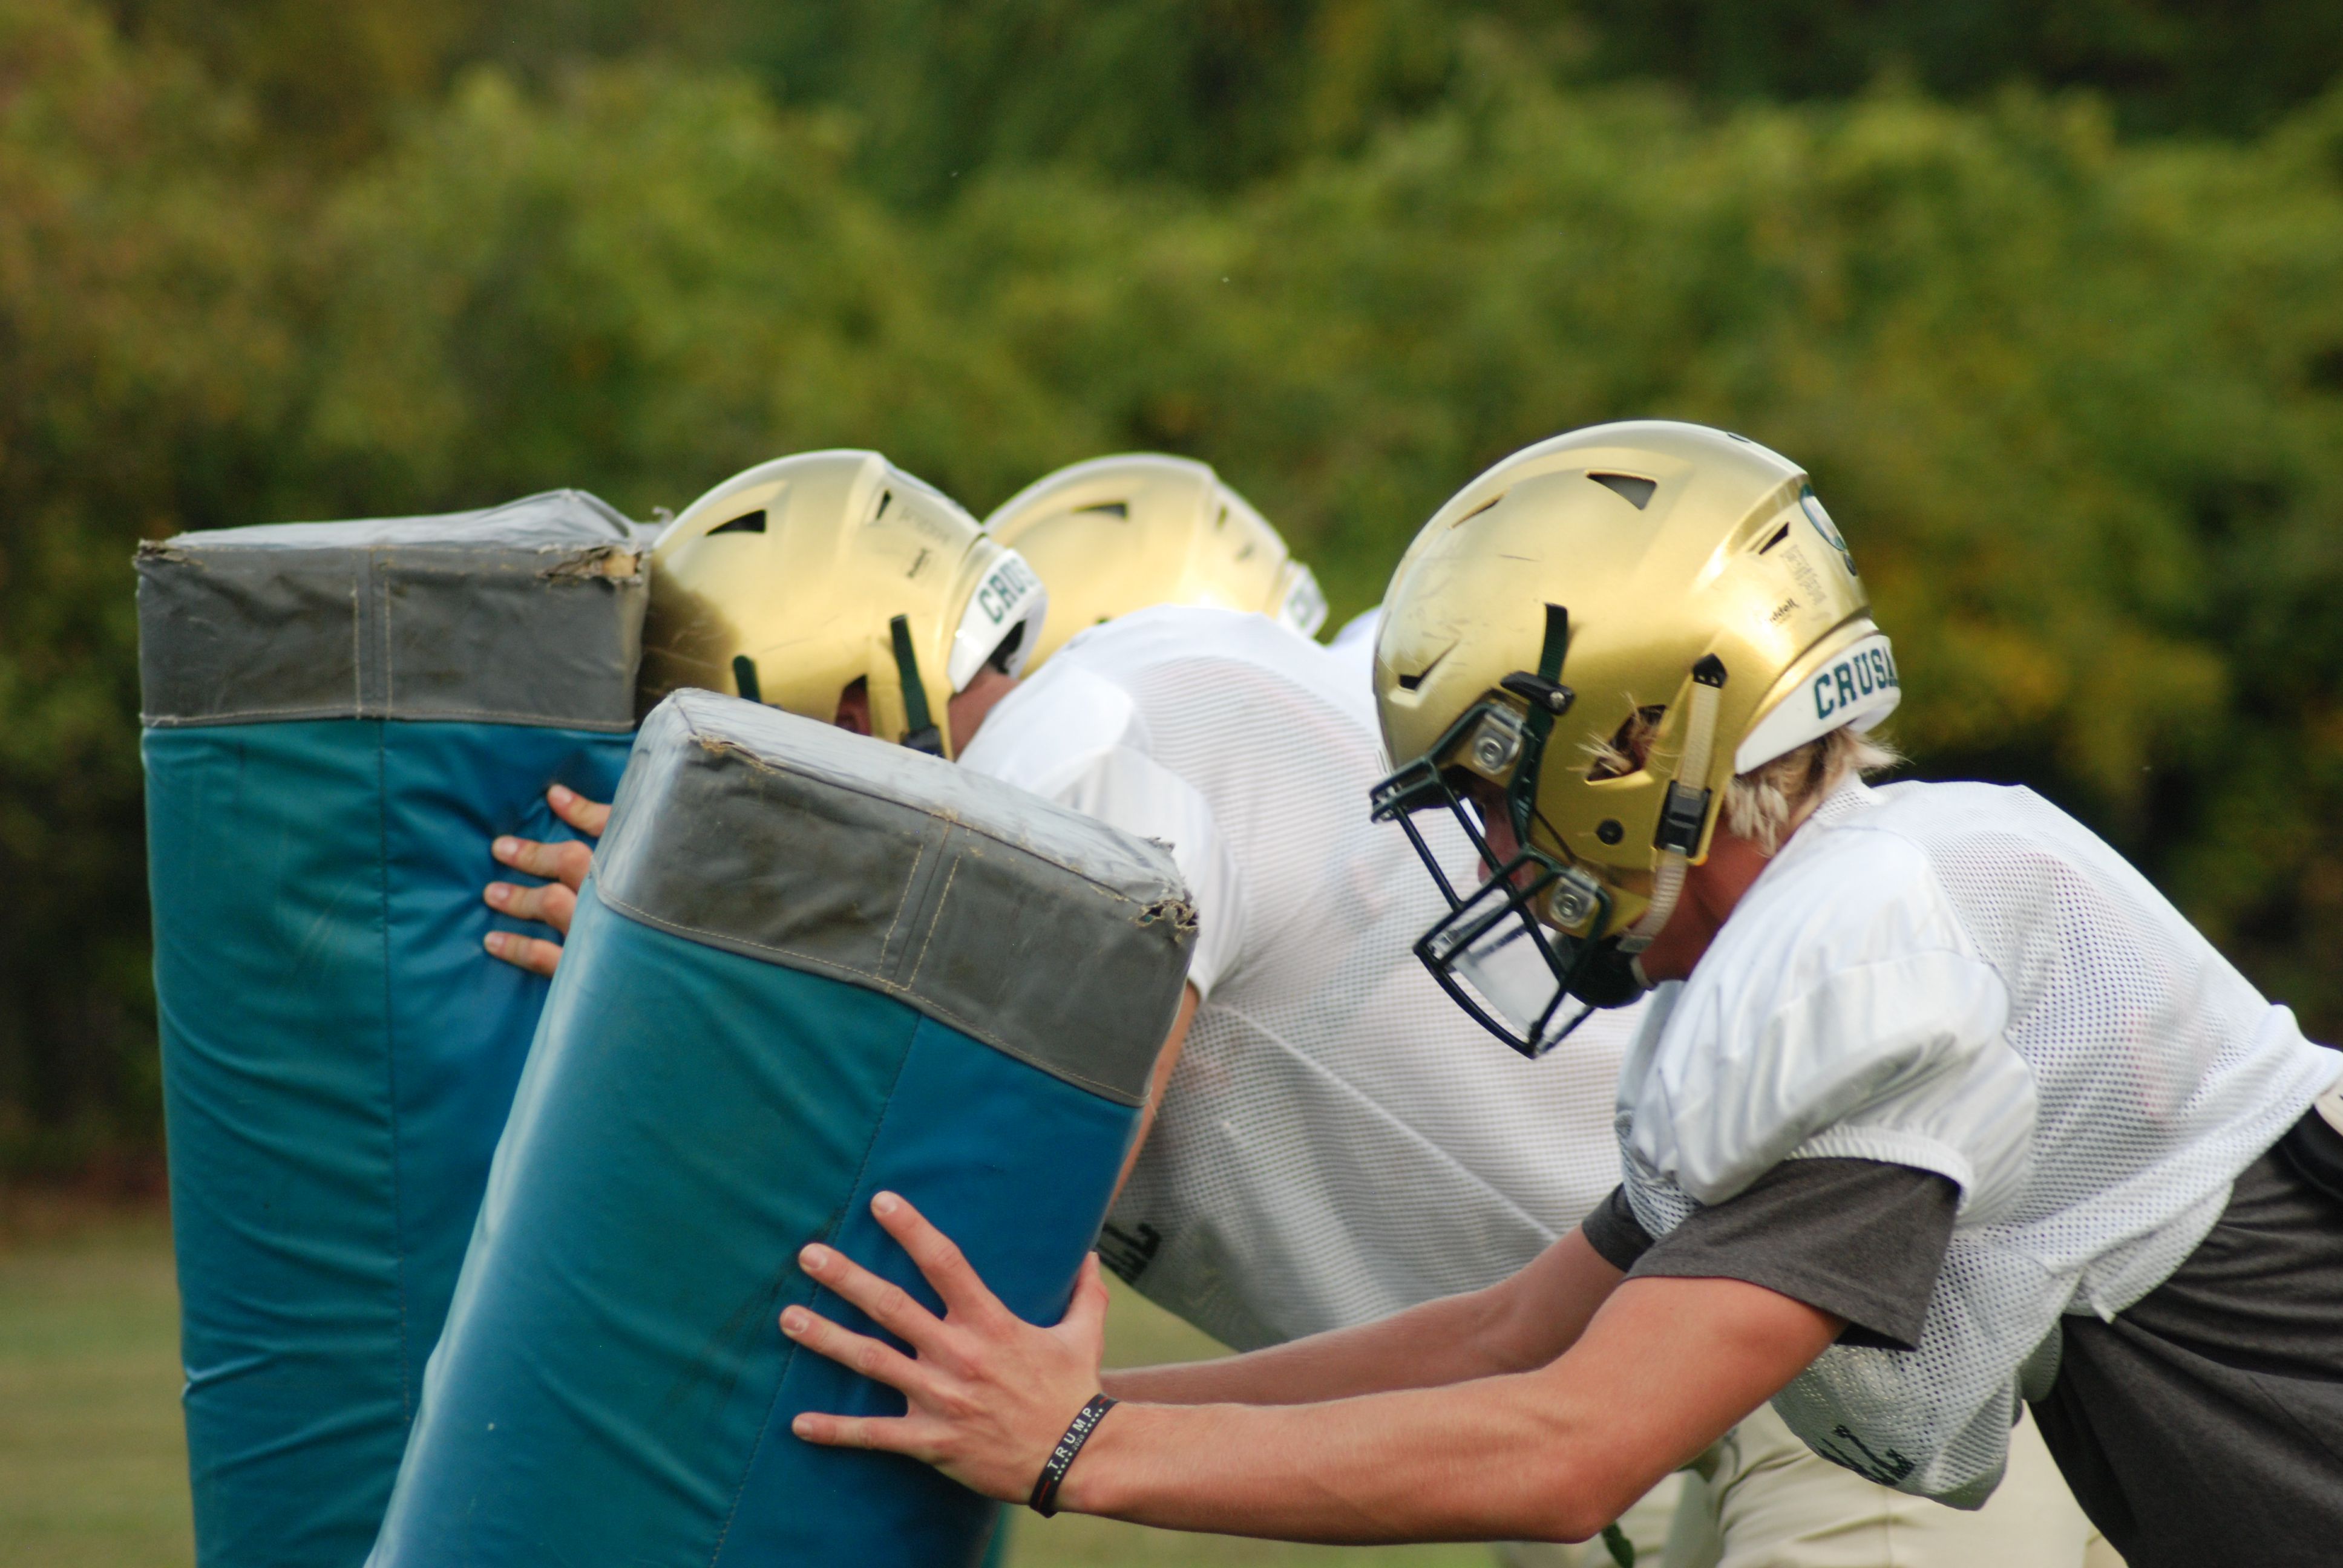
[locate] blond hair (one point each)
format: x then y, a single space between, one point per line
1765 804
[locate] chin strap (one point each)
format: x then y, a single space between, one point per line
920 732
1686 812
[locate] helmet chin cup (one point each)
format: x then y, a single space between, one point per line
1606 976
1529 986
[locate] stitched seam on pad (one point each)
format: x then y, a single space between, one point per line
935 918
790 1360
535 721
375 562
902 901
390 1073
357 643
684 929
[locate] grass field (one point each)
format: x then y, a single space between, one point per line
92 1461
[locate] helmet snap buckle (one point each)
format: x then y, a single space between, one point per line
1574 897
1682 818
1495 744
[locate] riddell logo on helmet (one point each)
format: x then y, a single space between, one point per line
1843 684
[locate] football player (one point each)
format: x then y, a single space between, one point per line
1940 1108
1331 1141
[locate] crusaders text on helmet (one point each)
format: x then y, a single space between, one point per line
788 583
1649 579
1118 534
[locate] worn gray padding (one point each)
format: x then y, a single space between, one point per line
434 618
1042 932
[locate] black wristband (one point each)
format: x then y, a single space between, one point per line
1044 1501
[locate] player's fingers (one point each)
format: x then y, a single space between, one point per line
588 816
874 1358
565 862
946 1267
1085 1317
552 903
537 957
885 1304
889 1434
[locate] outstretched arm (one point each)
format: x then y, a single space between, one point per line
1663 1368
564 865
1517 1324
1666 1368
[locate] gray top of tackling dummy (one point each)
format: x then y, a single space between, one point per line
527 613
1042 932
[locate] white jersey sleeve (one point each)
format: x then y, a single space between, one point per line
1963 978
1070 737
1866 1028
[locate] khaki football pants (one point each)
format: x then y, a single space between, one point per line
1761 1499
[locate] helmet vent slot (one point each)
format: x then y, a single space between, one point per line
1410 682
1108 508
1632 488
1476 511
1779 535
746 523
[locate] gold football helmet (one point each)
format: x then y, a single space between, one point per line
1113 535
1647 575
789 582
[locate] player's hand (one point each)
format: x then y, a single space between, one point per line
564 865
989 1393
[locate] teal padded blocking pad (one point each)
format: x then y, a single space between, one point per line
809 966
612 1385
339 1055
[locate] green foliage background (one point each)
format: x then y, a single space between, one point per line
2049 298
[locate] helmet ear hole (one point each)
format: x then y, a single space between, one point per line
1630 746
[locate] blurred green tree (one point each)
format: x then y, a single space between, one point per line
2227 66
2077 398
1212 94
639 282
145 357
325 84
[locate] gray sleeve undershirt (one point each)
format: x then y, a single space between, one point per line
1859 1238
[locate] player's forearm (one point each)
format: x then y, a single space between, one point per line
1494 1460
1520 1323
1442 1342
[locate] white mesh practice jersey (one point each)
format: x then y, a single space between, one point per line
1963 978
1339 1141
